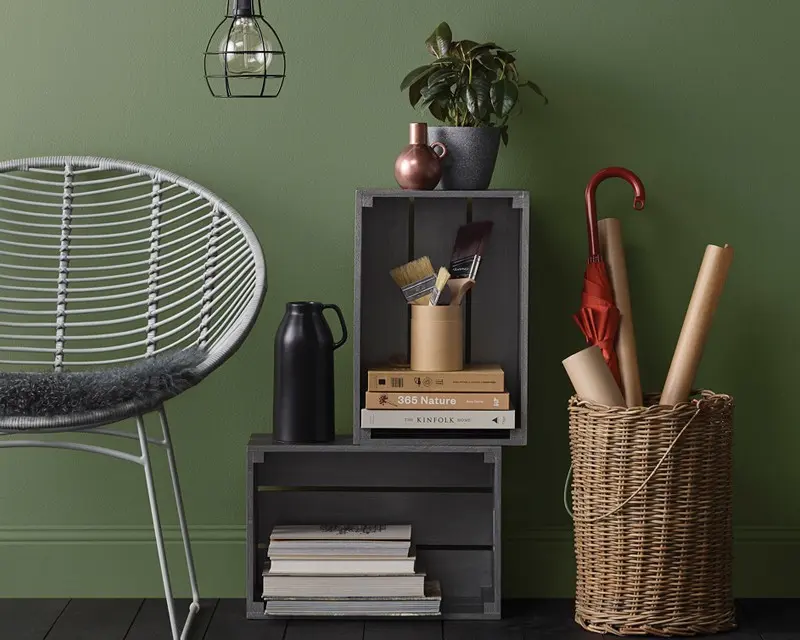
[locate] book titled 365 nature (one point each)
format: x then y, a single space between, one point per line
421 400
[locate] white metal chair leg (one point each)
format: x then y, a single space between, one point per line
162 556
176 488
144 461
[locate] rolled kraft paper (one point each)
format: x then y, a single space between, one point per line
437 338
696 324
614 254
592 379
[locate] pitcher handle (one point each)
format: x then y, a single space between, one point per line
341 321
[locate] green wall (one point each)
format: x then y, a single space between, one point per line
700 98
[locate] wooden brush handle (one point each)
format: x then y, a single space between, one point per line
458 289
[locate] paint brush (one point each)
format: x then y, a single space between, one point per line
461 288
441 281
471 242
416 280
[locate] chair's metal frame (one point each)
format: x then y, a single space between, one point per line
224 286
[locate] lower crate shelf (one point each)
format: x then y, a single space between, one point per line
430 437
450 495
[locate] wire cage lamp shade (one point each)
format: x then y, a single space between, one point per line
244 57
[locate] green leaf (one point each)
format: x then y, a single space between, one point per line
478 49
438 110
439 41
467 45
489 62
454 63
416 74
415 91
463 47
506 56
510 98
471 99
497 94
512 73
426 102
440 89
442 75
482 86
536 90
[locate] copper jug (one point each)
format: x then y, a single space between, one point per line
419 165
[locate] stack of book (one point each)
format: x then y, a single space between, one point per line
346 570
475 398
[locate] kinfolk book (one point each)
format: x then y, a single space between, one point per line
402 419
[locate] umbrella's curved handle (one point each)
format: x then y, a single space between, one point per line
591 201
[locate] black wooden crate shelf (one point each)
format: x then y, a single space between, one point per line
450 495
393 227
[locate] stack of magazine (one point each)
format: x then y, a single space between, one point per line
346 570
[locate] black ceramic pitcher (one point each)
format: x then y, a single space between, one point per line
303 400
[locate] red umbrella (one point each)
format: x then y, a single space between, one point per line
598 318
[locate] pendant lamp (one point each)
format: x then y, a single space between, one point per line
244 57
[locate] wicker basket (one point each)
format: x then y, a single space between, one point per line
651 498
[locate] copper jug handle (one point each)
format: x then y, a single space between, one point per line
439 145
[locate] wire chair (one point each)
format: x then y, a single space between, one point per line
105 262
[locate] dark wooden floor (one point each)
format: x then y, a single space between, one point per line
224 620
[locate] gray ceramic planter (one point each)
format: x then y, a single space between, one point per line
471 156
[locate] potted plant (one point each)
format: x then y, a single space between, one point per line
473 89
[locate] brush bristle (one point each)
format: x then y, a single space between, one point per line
441 278
412 272
441 282
416 280
469 247
471 239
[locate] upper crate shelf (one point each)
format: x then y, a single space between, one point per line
393 227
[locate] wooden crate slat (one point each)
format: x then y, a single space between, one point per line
386 225
435 225
381 469
439 518
499 314
389 438
463 573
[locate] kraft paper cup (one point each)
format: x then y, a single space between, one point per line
437 338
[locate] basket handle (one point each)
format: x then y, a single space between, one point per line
641 486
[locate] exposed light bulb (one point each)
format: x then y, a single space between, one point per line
243 49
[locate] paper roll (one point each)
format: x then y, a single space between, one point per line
592 378
696 324
614 254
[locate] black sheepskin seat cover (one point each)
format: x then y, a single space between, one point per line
148 382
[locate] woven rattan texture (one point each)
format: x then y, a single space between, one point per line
661 563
